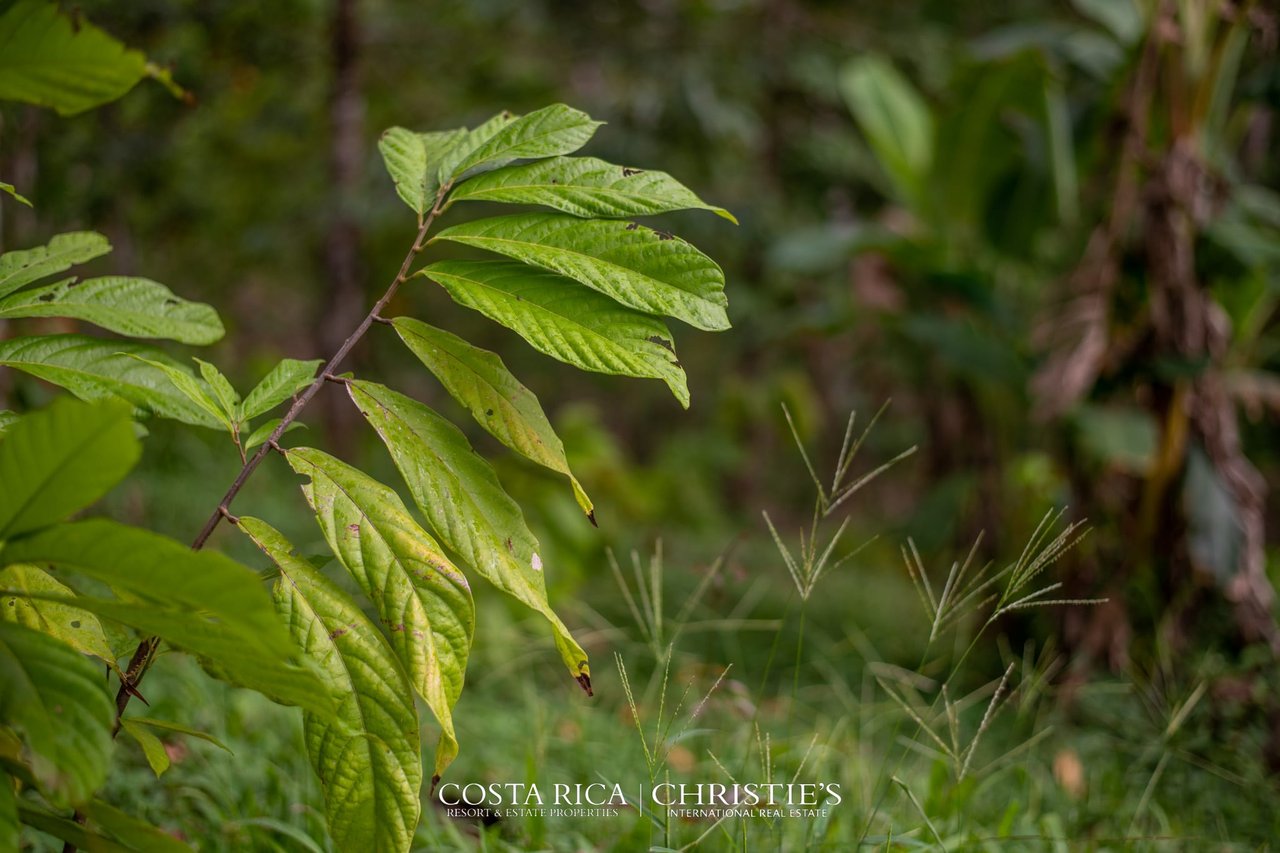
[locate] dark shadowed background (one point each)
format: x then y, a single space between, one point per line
1047 232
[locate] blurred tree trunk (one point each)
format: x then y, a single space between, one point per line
1198 516
343 301
1198 414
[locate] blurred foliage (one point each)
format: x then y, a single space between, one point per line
918 185
915 184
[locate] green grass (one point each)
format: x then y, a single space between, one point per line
943 728
1154 773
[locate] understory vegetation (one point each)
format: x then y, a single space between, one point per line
409 410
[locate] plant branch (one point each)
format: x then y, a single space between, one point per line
146 650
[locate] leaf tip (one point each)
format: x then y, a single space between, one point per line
584 681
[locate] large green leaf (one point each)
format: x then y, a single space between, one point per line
29 590
497 400
424 602
895 120
284 380
66 829
60 459
552 130
58 700
20 268
561 318
70 66
367 757
413 161
645 269
95 369
137 307
460 495
585 187
200 601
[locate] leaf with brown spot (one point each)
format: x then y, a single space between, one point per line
367 756
406 576
460 495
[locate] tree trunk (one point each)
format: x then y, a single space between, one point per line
344 269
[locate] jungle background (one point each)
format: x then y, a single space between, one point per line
1047 234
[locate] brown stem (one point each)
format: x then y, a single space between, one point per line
146 650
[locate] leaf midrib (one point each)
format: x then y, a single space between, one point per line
510 297
98 379
503 400
386 543
59 467
471 162
460 485
367 736
662 283
552 187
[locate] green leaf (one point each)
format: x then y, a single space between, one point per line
479 380
58 701
559 317
585 187
152 748
29 605
9 829
423 601
7 419
169 726
137 307
644 269
552 130
20 268
200 601
283 381
895 120
463 501
49 60
368 757
134 833
413 161
222 389
66 829
13 191
456 151
60 459
191 388
95 369
262 433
